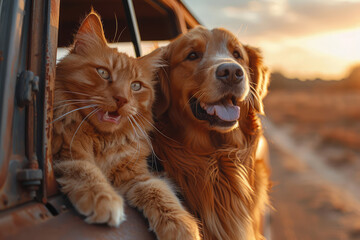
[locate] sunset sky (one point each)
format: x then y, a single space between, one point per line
301 38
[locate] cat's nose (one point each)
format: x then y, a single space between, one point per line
120 101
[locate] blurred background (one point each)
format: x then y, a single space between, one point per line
312 109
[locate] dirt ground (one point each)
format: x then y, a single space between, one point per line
315 162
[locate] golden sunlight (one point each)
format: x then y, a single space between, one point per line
329 55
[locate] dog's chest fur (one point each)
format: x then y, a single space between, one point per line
218 187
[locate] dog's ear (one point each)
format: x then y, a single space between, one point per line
259 76
162 87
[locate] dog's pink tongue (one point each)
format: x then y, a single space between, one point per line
224 112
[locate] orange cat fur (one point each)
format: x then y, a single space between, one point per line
102 114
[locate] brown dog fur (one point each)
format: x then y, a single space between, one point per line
222 181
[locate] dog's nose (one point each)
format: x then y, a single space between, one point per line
120 101
230 73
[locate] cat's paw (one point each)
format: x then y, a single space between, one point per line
103 208
182 227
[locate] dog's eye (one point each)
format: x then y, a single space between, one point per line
236 55
136 86
104 73
192 56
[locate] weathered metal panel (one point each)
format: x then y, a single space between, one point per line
13 222
34 221
34 46
50 186
13 24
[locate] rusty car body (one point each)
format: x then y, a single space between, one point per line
31 206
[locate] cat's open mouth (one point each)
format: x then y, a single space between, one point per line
107 116
221 113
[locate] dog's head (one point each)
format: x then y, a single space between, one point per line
210 77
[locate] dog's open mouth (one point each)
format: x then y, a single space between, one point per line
222 113
112 117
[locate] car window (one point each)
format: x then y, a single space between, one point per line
126 47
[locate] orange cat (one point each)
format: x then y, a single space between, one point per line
101 119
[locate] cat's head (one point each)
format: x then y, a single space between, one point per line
109 87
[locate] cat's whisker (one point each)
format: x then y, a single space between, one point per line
137 142
133 129
140 128
138 139
70 100
73 137
73 100
117 40
146 138
79 93
91 97
142 117
136 133
116 28
69 104
77 109
145 135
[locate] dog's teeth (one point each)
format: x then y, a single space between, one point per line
106 115
203 105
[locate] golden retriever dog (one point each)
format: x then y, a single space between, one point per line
210 95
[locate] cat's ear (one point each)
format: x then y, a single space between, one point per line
90 33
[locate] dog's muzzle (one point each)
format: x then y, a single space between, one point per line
230 73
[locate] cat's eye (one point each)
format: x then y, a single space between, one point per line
136 86
236 55
104 73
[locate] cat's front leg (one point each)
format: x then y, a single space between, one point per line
90 192
167 217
